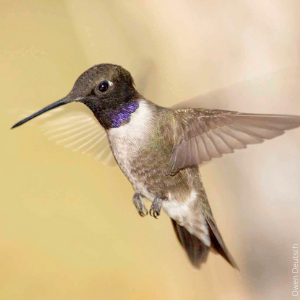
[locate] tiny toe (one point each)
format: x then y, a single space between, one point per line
144 212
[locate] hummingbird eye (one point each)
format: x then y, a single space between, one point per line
103 86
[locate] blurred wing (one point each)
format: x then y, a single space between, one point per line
278 86
77 130
147 70
206 134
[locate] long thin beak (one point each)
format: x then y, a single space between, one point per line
58 103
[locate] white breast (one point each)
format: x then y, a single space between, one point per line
137 129
127 140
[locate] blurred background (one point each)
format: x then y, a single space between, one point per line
68 228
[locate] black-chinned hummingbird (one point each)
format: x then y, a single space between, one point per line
160 149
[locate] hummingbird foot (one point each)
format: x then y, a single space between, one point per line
156 206
138 203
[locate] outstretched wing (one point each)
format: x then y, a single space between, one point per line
204 134
76 128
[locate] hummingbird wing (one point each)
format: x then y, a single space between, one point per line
78 130
271 87
206 134
203 134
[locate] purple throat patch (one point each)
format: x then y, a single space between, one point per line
123 113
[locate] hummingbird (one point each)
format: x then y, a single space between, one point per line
160 150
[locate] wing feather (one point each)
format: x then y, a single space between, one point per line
207 134
78 130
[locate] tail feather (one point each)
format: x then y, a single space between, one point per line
195 249
218 244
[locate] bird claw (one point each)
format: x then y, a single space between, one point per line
143 211
138 203
156 206
153 213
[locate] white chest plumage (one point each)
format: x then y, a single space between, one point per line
127 140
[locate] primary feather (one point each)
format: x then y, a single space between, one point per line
203 134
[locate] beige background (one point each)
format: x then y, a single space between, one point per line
68 228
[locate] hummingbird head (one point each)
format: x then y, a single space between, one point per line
108 90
